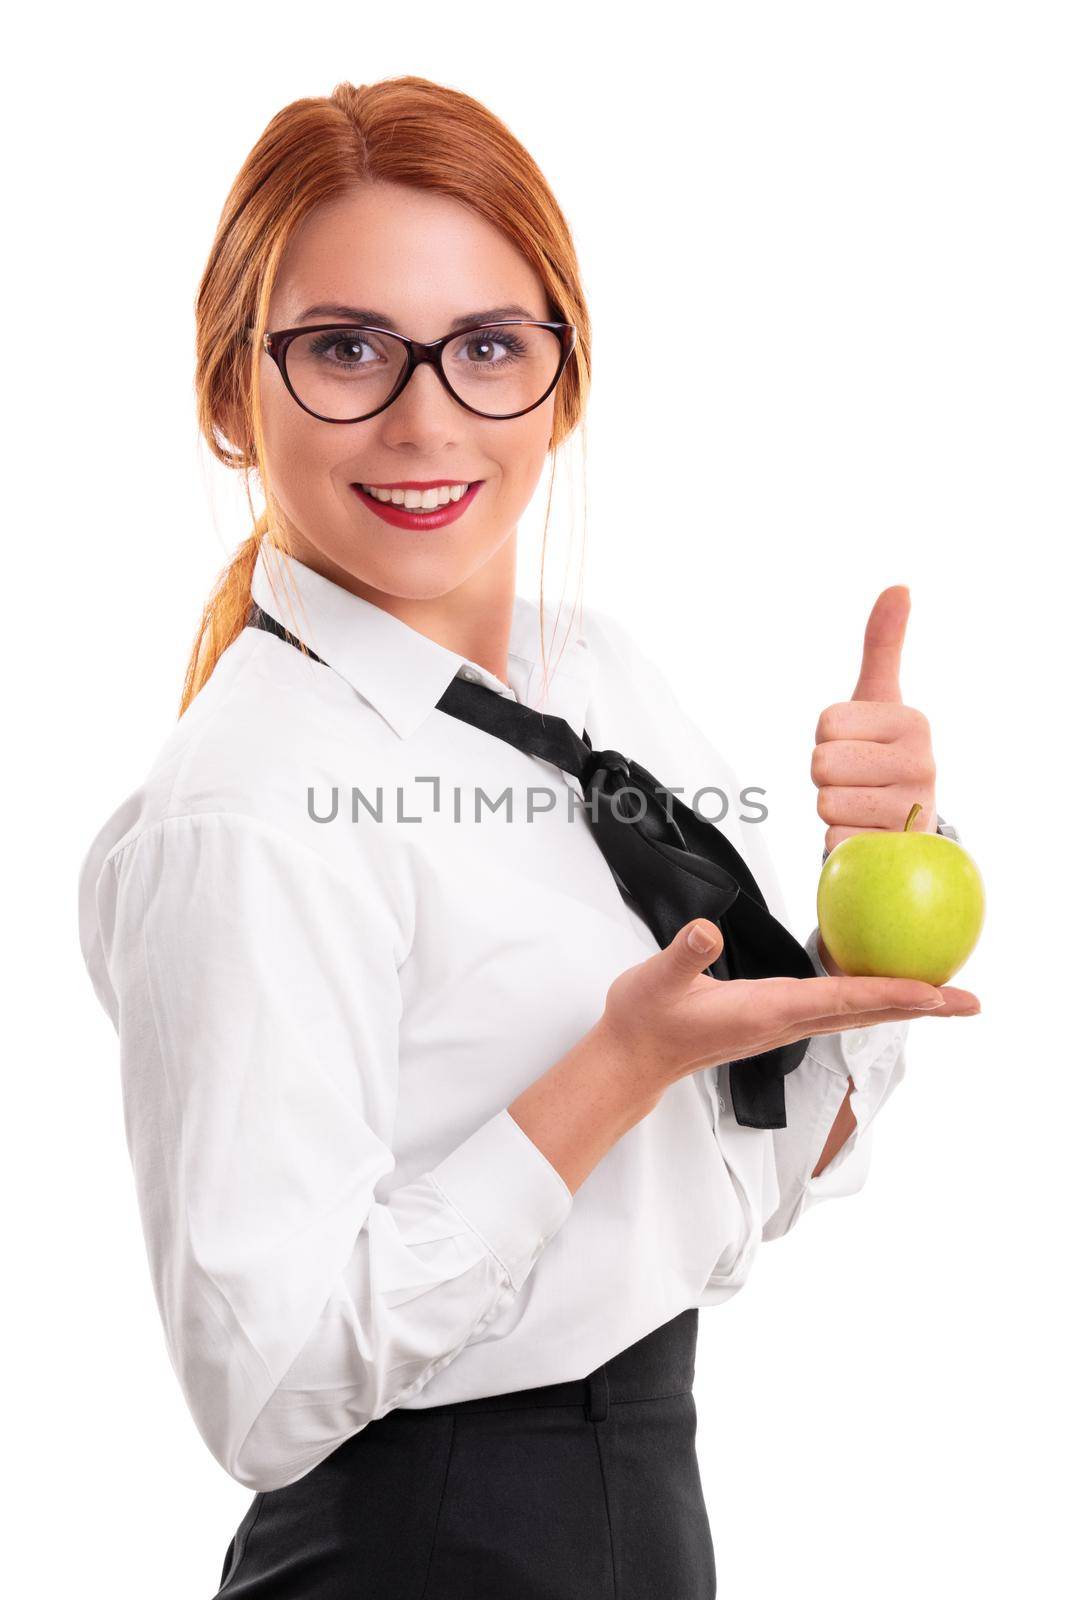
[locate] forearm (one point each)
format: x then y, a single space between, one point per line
844 1124
577 1110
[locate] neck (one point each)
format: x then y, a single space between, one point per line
473 619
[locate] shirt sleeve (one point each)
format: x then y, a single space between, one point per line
257 998
874 1057
875 1060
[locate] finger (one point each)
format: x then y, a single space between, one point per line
744 1022
811 1000
901 996
884 722
869 761
748 1015
741 1030
956 1000
958 1003
883 641
862 1019
694 947
834 835
854 807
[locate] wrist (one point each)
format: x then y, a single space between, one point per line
634 1068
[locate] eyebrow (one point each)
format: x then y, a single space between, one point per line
379 319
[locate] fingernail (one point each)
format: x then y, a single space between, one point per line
929 1005
969 1011
698 940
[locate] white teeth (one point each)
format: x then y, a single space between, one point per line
417 499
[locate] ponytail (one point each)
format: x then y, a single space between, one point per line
223 616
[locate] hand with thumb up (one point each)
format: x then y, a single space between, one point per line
873 755
667 1016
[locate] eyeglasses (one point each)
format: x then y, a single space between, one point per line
347 372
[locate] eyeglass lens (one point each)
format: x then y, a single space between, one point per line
346 373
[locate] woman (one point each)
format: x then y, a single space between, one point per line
434 1155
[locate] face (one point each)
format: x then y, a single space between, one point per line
423 260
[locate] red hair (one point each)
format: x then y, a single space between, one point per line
405 130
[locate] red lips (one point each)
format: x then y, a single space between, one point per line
399 518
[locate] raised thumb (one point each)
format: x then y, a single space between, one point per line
696 946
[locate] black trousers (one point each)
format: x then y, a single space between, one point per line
588 1490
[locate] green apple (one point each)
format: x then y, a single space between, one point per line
900 905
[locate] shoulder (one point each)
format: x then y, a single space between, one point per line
268 725
218 839
232 778
620 657
608 637
632 685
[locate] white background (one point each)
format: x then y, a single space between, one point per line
838 229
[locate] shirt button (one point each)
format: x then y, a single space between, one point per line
857 1041
469 673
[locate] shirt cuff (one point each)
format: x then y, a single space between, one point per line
507 1190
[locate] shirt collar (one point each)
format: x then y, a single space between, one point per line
401 672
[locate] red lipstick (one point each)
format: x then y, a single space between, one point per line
399 518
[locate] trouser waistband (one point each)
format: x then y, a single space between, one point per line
662 1363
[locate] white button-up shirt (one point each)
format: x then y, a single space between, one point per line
330 975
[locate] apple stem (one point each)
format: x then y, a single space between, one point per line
912 814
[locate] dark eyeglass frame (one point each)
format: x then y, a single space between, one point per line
277 342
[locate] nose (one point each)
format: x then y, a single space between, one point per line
424 416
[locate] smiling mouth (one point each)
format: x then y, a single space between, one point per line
404 506
429 499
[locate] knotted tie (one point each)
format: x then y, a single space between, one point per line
673 864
